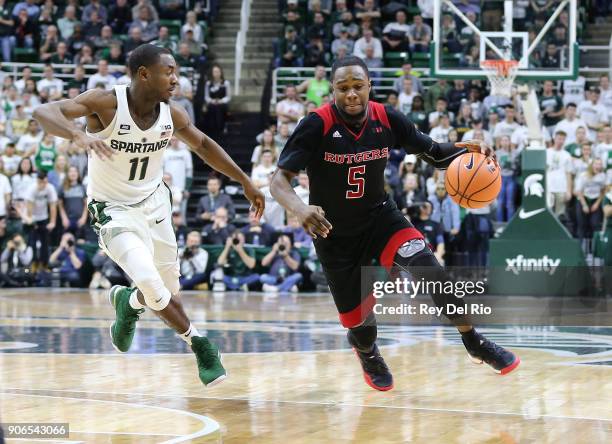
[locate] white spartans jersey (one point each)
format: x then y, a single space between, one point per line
573 91
137 166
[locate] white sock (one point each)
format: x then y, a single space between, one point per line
190 333
134 302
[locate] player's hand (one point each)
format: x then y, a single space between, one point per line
96 145
312 218
478 146
256 197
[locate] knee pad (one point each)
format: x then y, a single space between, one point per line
156 295
170 274
364 336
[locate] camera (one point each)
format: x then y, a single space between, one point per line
187 253
281 248
236 240
70 243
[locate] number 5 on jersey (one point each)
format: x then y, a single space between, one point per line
356 179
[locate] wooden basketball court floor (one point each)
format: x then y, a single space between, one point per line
292 379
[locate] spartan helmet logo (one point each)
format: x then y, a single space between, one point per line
533 185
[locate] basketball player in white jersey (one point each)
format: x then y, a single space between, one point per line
128 129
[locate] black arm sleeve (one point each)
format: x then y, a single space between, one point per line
302 144
439 155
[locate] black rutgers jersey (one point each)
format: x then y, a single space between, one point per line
346 169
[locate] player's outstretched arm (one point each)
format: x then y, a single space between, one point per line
215 156
57 118
311 217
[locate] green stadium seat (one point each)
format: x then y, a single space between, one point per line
395 59
25 55
451 60
420 60
174 26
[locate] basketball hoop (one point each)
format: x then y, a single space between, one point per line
501 74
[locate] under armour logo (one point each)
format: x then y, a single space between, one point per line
336 134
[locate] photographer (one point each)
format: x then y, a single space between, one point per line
219 231
284 262
238 264
193 262
15 263
106 272
70 259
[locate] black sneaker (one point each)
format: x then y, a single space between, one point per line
502 361
375 371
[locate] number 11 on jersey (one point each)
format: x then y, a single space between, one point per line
355 179
143 169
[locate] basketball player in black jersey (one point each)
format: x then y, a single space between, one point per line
344 148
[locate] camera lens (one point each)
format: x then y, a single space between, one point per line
70 243
281 248
235 241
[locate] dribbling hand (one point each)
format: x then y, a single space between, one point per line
256 197
312 218
478 146
96 145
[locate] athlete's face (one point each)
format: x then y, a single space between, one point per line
163 77
351 90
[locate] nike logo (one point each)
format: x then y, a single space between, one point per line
527 214
122 134
160 221
157 301
471 164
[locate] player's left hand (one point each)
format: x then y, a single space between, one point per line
256 197
477 146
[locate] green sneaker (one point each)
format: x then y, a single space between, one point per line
122 330
210 369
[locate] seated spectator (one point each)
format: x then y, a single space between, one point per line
433 232
315 88
6 192
135 39
208 204
410 194
72 202
284 262
395 33
373 63
61 57
551 58
440 133
102 76
175 192
26 74
456 95
267 144
192 25
301 239
49 44
15 263
193 262
184 57
347 24
368 39
392 100
103 40
178 162
291 49
282 136
51 84
77 40
257 232
262 173
70 260
180 229
450 36
195 47
171 9
67 22
146 4
319 28
114 56
238 263
408 73
417 114
180 100
94 27
94 7
274 213
368 11
163 40
106 272
218 231
78 81
289 110
146 23
303 187
292 8
406 97
340 9
293 18
419 35
120 16
570 124
314 52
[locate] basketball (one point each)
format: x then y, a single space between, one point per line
473 180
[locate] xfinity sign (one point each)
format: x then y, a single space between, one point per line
522 263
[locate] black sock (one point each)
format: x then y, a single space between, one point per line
471 338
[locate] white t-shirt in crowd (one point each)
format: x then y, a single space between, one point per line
405 101
54 86
440 134
180 165
558 163
41 199
291 107
21 185
28 142
5 188
11 163
108 80
573 90
262 173
605 98
592 114
504 128
570 128
519 136
303 193
274 213
591 187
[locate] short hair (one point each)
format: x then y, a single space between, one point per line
561 133
349 61
145 55
571 104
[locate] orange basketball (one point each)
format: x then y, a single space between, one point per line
473 180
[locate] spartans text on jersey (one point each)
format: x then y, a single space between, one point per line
135 147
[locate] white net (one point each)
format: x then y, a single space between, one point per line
501 75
